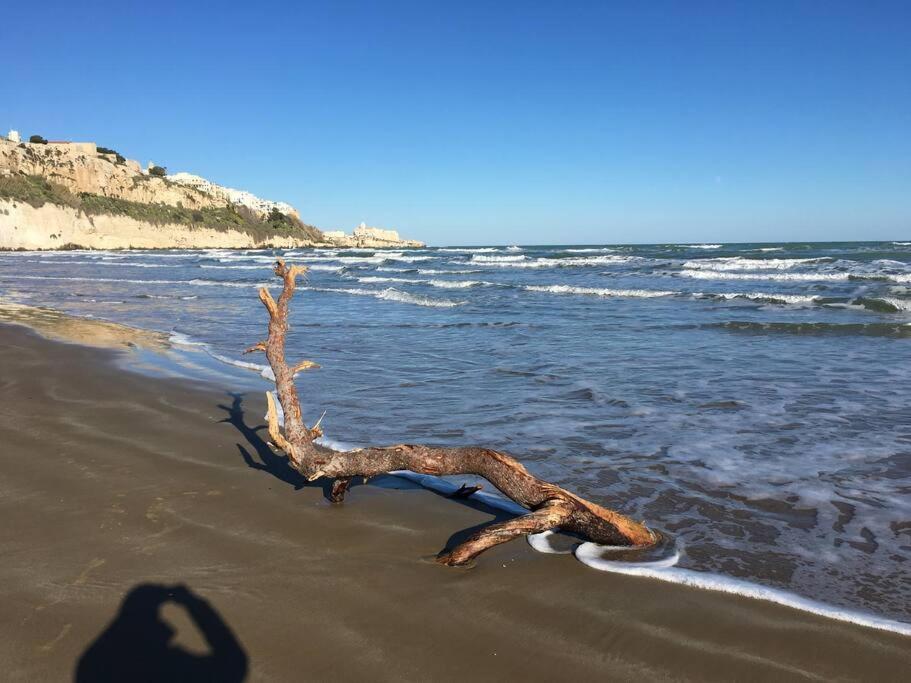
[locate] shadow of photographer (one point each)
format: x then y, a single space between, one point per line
137 645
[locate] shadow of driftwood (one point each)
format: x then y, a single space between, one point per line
136 645
265 458
277 465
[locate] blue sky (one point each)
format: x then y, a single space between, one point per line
497 122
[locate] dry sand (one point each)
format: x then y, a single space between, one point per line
113 483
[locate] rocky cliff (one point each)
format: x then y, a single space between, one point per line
51 226
80 168
65 194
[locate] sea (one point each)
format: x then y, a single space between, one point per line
751 401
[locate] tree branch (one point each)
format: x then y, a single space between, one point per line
552 507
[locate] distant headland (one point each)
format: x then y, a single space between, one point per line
57 194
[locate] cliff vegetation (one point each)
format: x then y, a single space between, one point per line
37 191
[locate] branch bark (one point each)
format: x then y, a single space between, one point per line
551 507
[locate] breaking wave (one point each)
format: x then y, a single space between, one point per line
738 263
442 284
598 291
708 274
390 294
477 258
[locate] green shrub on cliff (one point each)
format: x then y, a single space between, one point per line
158 171
222 218
36 191
37 140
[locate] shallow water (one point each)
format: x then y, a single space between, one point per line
752 399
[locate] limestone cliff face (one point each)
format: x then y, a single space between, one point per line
80 169
50 227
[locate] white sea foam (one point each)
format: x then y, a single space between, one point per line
598 291
474 250
590 554
259 258
727 275
545 262
900 304
590 250
221 283
665 569
261 266
391 294
480 258
442 284
76 278
773 297
376 258
432 271
131 264
264 370
410 259
738 263
373 279
541 543
701 246
180 339
902 244
514 248
197 282
593 260
458 284
323 267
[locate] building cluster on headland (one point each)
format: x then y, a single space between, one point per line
57 193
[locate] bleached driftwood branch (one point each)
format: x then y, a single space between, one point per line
550 506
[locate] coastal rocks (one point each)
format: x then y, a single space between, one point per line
370 238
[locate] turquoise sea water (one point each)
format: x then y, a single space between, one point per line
753 400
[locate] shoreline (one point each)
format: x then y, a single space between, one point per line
320 245
112 478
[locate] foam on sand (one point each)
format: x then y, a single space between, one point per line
180 339
663 568
590 554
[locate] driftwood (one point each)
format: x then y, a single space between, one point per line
550 506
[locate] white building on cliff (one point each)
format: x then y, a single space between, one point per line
229 194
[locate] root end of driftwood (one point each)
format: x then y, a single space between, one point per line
550 506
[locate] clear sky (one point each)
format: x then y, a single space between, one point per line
496 122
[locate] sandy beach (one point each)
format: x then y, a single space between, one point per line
115 484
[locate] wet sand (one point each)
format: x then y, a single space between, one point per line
113 483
